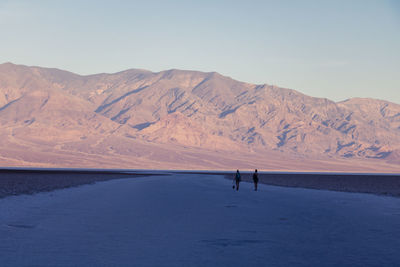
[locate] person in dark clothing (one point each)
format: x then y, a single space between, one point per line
255 179
237 179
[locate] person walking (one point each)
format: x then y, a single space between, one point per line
237 179
255 179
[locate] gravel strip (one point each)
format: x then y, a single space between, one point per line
17 182
361 183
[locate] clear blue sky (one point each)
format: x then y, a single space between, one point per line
334 49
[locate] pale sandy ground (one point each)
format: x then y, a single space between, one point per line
197 220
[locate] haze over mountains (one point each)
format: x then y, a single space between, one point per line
186 120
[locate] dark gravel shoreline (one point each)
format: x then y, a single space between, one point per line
378 184
17 182
31 181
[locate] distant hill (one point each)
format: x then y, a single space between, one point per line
186 120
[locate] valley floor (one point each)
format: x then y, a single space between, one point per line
197 220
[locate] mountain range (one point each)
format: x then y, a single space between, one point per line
179 119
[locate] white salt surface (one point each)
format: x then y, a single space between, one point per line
197 220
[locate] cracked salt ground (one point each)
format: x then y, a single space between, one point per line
197 220
26 226
230 242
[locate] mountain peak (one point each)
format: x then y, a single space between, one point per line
120 114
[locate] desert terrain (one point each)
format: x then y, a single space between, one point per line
180 119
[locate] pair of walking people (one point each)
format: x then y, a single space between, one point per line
238 179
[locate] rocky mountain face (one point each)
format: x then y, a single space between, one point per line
183 119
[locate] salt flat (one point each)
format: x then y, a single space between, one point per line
197 220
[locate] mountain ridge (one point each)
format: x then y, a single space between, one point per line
203 111
182 70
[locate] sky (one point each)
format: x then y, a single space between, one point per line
334 49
